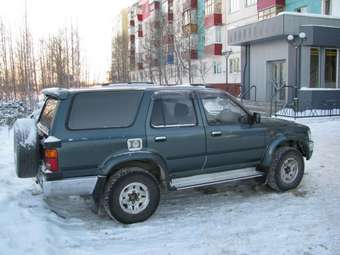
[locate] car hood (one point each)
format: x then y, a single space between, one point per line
283 125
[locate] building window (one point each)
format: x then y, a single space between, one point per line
218 35
327 7
189 17
186 17
213 6
217 67
234 5
213 35
234 65
209 7
315 68
270 12
331 59
250 2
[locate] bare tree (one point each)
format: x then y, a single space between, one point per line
119 71
26 67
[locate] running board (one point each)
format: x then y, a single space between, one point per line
214 178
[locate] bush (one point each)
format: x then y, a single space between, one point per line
12 110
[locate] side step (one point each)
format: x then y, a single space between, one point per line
214 178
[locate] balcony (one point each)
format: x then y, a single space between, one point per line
266 4
132 46
213 20
140 17
213 49
189 4
190 28
190 21
168 39
155 5
140 66
170 58
170 17
193 54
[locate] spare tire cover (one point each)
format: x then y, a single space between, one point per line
26 148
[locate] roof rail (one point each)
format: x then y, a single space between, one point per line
127 83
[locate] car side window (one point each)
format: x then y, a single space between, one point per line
107 109
221 109
173 109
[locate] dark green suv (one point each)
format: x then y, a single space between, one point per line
123 144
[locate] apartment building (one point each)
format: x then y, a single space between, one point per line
203 46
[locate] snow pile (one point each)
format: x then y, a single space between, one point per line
309 113
12 110
240 218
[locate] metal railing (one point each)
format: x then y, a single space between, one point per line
293 109
278 89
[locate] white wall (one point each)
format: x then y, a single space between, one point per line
336 8
245 15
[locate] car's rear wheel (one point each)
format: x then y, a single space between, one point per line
131 195
287 169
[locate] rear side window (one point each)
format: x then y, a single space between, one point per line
104 110
173 110
47 114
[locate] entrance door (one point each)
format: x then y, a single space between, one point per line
277 78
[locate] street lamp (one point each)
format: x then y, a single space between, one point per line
227 54
297 41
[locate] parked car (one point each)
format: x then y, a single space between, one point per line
123 144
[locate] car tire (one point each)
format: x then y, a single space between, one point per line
131 195
287 169
26 148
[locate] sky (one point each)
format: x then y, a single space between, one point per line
95 20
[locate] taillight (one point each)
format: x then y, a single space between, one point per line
51 160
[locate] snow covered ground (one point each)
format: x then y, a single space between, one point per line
245 218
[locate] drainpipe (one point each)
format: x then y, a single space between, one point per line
245 67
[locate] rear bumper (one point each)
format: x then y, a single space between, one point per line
67 187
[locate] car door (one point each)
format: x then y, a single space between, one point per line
175 131
231 141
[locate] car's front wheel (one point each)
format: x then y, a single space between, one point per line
131 195
287 169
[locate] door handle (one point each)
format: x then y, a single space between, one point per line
216 133
160 138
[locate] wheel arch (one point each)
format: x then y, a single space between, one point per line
149 161
280 142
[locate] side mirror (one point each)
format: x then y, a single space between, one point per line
256 118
